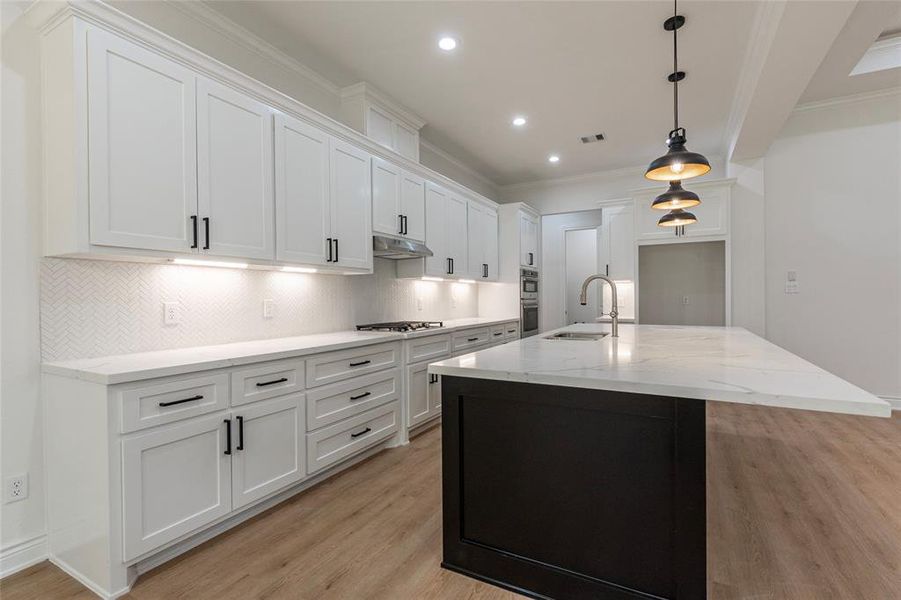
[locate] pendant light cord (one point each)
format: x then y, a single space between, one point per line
675 67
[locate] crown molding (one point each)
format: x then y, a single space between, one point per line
763 32
850 99
370 92
214 20
457 163
579 178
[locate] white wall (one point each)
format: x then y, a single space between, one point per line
20 242
833 209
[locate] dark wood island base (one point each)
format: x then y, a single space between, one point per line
566 493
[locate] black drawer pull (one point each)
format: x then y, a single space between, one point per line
361 363
498 333
363 395
511 331
433 378
273 382
174 402
359 433
475 339
240 445
228 436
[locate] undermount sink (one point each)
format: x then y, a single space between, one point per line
576 335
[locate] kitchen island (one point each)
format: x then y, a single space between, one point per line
575 467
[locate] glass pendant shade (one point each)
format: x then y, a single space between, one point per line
678 163
675 197
677 218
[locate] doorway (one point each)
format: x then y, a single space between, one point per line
580 260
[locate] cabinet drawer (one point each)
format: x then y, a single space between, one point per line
344 364
167 401
433 347
470 338
266 381
332 403
511 330
497 333
333 444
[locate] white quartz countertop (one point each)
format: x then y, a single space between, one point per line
726 364
109 370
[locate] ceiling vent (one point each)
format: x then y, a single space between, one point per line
590 139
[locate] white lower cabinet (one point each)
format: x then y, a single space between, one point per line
334 443
269 448
175 480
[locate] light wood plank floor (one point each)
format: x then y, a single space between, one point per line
800 505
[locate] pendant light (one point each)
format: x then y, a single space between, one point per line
678 163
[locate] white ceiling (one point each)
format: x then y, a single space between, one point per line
573 68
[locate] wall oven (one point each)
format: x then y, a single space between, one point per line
528 302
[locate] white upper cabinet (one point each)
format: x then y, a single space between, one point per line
436 199
617 242
456 239
234 172
490 236
412 206
483 251
406 141
141 134
712 214
302 196
387 217
528 240
351 206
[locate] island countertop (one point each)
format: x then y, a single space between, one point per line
725 364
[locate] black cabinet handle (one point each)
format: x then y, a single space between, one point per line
336 249
485 266
174 402
206 232
400 226
406 225
531 259
511 331
363 395
240 445
328 242
228 436
433 379
359 433
471 339
361 363
498 333
273 382
607 270
449 266
452 266
194 227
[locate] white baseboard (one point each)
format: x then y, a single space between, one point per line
895 401
85 581
22 555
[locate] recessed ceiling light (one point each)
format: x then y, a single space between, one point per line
519 121
553 158
447 43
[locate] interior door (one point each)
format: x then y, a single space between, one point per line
175 479
475 219
302 219
489 236
386 190
234 171
412 199
581 248
457 239
351 205
435 230
142 147
269 447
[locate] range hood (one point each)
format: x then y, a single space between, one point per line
389 247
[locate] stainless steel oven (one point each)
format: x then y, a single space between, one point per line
528 302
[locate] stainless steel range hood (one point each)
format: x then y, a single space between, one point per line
389 247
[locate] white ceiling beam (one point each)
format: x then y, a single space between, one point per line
786 47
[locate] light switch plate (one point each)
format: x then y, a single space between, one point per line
268 308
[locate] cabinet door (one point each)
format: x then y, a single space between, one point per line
475 225
269 447
435 230
175 479
412 202
489 237
406 141
380 127
142 180
456 237
417 394
528 240
301 191
351 205
386 204
617 248
234 173
712 214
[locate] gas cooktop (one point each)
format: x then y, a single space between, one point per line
400 326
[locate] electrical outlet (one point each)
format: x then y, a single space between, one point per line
268 308
684 300
15 488
419 303
171 313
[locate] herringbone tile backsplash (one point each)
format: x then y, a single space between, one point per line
97 308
